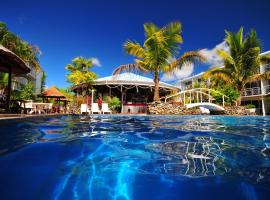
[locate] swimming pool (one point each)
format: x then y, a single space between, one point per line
135 157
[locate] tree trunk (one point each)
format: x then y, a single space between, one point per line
241 89
156 81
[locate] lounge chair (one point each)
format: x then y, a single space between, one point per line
95 108
84 108
105 108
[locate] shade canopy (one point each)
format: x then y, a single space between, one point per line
52 92
128 79
8 60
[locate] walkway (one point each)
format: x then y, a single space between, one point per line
199 97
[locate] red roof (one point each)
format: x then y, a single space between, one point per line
52 92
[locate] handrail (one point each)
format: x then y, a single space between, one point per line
195 90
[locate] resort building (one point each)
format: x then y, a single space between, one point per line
34 76
256 92
134 90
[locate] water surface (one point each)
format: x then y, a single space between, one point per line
136 157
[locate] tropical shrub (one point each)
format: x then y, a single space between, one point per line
231 93
27 92
115 103
250 106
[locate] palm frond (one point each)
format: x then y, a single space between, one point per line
173 36
129 68
150 29
134 48
225 56
218 72
187 57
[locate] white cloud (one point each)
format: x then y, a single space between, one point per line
185 71
212 56
96 62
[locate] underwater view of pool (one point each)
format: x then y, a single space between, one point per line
135 157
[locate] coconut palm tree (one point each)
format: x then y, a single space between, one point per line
159 46
241 62
79 71
80 63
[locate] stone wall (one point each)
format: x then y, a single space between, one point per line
237 111
171 109
176 109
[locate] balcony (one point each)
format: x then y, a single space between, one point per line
265 68
252 91
267 89
256 91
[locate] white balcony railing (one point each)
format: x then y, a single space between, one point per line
252 91
256 91
265 68
267 89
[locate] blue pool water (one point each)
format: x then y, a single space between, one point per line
135 157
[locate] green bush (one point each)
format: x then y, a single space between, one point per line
115 103
227 90
27 92
250 106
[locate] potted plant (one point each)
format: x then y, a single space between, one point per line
251 108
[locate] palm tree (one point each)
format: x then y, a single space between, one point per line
241 62
79 71
159 46
80 63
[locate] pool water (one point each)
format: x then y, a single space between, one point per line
135 157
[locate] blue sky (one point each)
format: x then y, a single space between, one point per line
66 29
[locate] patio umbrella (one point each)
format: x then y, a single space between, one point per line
12 64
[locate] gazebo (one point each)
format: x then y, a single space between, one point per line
53 93
12 64
134 90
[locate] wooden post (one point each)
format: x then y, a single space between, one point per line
189 96
122 102
184 98
223 103
9 88
201 94
197 97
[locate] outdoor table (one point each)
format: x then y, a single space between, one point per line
39 107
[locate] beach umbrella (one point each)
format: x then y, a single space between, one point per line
12 64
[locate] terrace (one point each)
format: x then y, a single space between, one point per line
254 91
265 68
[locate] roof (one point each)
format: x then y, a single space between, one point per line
192 77
264 54
10 59
129 78
52 92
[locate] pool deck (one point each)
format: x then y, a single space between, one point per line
22 116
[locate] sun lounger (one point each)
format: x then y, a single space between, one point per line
105 108
84 108
95 108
